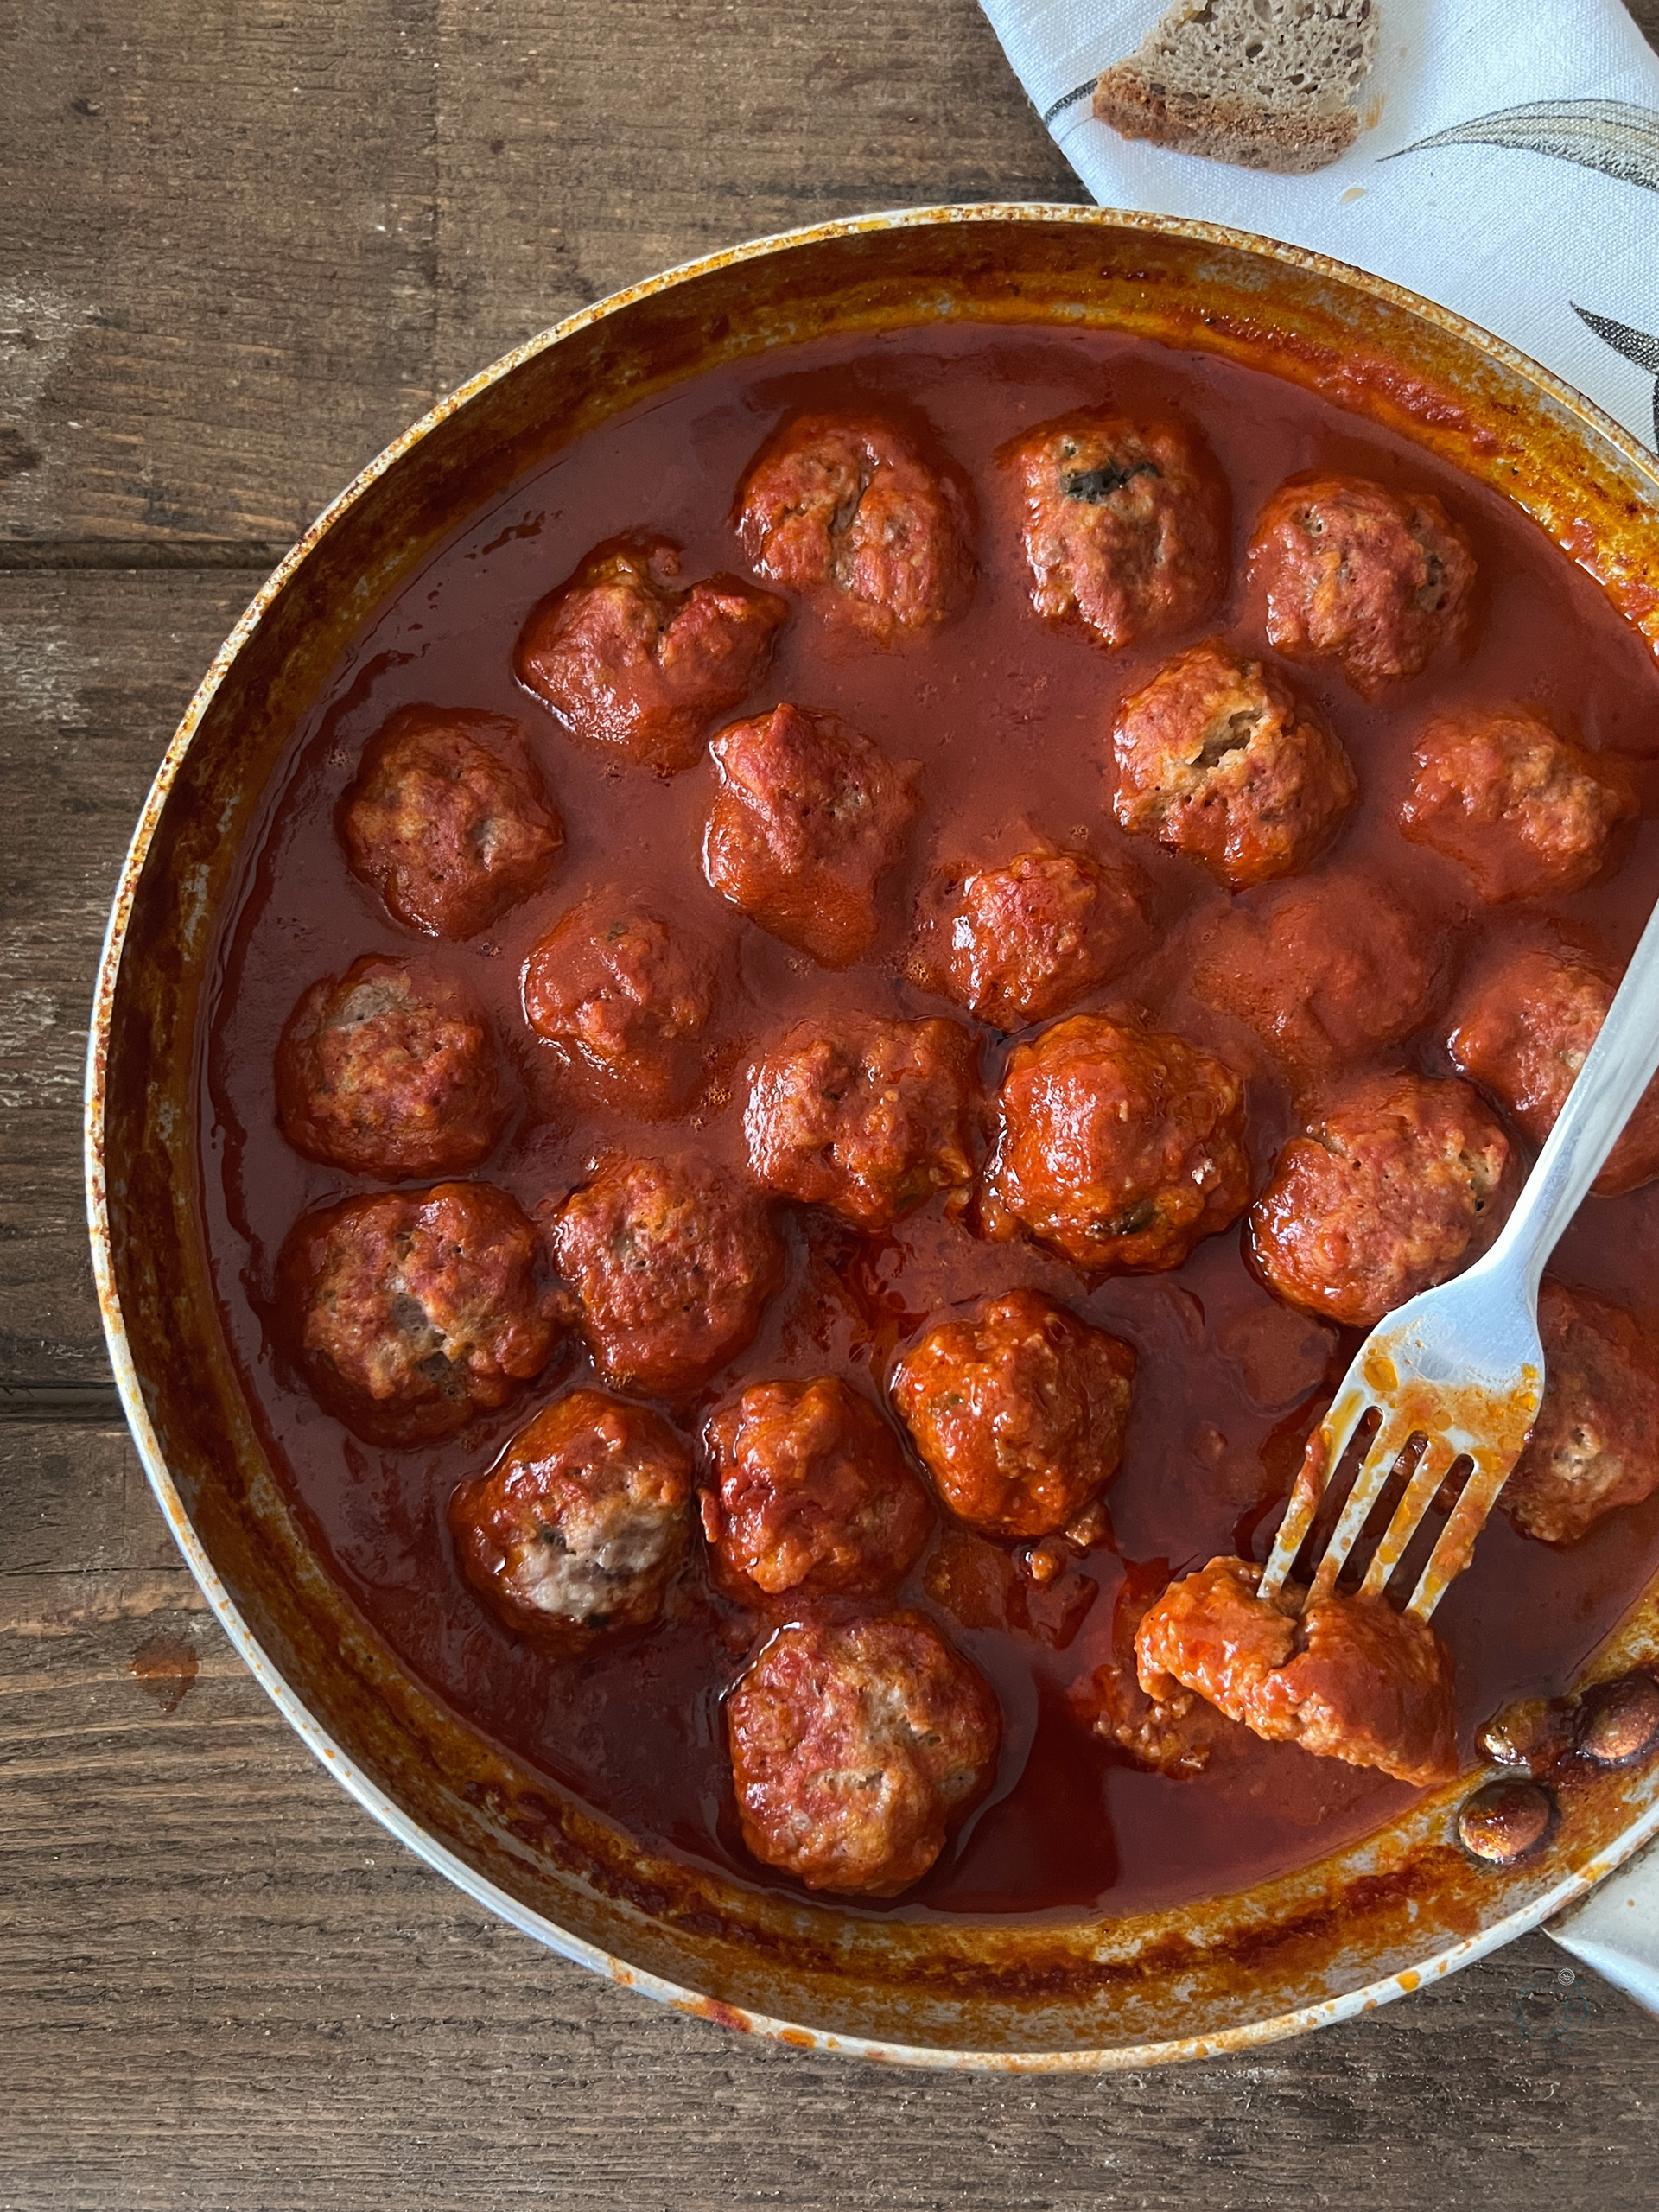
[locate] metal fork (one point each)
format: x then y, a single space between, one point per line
1461 1367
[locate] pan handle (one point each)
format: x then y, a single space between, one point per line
1615 1931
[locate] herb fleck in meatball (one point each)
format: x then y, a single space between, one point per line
839 508
1372 579
672 1262
1595 1445
624 997
813 1496
1400 1185
1124 524
1015 945
855 1744
1348 1678
1524 811
389 1073
580 1528
1217 759
1018 1414
1120 1146
862 1115
629 659
414 1310
807 818
448 820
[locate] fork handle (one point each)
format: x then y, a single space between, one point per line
1616 1069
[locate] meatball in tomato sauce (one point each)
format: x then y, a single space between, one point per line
1124 524
1017 944
626 997
862 1115
1398 1185
842 509
629 659
1018 1414
580 1528
1217 757
1347 1678
854 1746
388 1072
1120 1146
672 1262
448 820
812 1495
808 817
1375 580
1595 1444
1527 813
414 1310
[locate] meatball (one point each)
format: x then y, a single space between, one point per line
839 508
1124 524
415 1309
862 1115
1595 1445
448 820
854 1745
1217 757
1372 579
1120 1146
629 660
1018 1414
1346 1679
1325 974
672 1262
1523 1034
1524 811
581 1526
625 998
1401 1184
813 1496
807 818
386 1073
1015 945
1173 1734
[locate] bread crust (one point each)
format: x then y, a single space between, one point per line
1290 142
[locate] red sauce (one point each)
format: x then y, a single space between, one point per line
1010 718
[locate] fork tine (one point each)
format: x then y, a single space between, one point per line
1387 1445
1330 1439
1451 1554
1438 1460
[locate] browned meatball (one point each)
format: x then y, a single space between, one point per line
1399 1184
579 1527
839 508
1120 1146
1524 811
415 1309
807 818
673 1262
448 820
1174 1733
1373 578
862 1115
1595 1445
1018 1414
1015 945
1217 759
854 1745
1325 974
629 659
1348 1678
814 1497
1125 524
625 997
389 1073
1525 1032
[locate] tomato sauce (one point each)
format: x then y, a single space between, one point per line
1010 719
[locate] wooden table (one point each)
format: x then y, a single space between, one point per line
241 246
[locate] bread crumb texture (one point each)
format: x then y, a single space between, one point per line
1265 84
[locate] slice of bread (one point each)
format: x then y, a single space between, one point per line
1267 84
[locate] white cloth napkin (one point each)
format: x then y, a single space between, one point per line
1536 214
